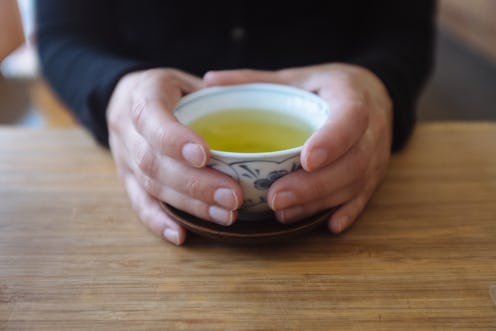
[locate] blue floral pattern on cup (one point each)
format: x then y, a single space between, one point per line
256 177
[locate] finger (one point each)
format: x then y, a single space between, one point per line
347 214
208 212
152 117
207 185
346 124
297 212
150 213
301 187
231 77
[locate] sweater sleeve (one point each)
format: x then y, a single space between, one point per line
398 48
77 57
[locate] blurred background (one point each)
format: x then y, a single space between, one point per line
462 87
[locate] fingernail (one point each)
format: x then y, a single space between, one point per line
220 215
209 78
337 225
316 158
282 200
226 198
194 154
171 235
290 215
208 75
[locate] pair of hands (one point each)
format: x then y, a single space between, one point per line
160 159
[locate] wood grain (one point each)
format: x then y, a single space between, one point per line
74 256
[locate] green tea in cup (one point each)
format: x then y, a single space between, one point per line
251 130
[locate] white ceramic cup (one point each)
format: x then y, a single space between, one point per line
255 172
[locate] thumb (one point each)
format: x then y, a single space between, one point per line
243 76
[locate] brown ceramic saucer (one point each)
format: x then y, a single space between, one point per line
246 232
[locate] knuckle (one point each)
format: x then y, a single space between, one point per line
170 138
150 77
360 184
154 78
146 161
145 215
167 75
138 209
360 110
165 137
248 72
114 122
137 111
317 188
193 187
361 164
117 119
150 186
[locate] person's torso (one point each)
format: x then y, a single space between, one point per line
199 36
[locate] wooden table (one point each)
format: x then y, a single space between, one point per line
422 256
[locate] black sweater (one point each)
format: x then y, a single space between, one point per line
86 46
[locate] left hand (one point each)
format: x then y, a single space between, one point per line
345 160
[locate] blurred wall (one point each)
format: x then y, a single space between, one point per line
463 84
473 22
11 31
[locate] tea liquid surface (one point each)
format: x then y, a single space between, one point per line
251 130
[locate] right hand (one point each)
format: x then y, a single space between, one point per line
163 160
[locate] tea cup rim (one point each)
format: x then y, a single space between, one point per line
265 87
